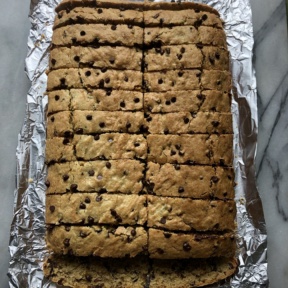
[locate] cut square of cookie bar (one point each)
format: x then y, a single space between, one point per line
95 208
94 78
189 100
180 35
165 17
114 176
171 245
58 124
106 146
191 272
182 214
97 34
98 57
198 182
177 80
88 122
93 15
195 149
186 57
97 240
186 123
86 271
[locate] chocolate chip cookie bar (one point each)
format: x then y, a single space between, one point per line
97 240
77 56
170 245
186 57
95 34
182 214
194 149
196 182
90 15
185 123
113 176
96 208
94 78
189 100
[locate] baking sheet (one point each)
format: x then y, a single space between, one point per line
27 241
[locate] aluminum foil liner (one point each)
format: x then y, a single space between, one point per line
27 242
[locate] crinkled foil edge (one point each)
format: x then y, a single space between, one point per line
27 237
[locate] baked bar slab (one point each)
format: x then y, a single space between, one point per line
195 149
198 182
166 245
121 176
116 242
184 214
94 208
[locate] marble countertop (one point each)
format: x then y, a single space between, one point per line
271 63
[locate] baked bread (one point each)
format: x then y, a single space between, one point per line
139 145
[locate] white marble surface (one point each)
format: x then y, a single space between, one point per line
271 62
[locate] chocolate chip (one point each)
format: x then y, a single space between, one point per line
160 81
79 131
167 102
214 179
130 26
52 208
197 11
88 73
52 119
217 55
167 51
89 117
178 147
172 152
88 277
96 137
98 198
47 183
126 79
73 187
67 228
82 206
108 92
66 242
65 177
91 173
102 124
136 144
198 23
122 104
87 200
160 251
136 100
181 153
82 33
173 99
112 60
166 131
108 165
133 232
218 82
163 220
177 166
102 190
215 123
186 247
128 125
182 50
212 60
156 16
90 220
65 141
199 45
76 58
57 97
181 190
53 62
83 234
180 73
179 56
186 120
99 11
167 235
204 17
107 80
114 27
200 96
